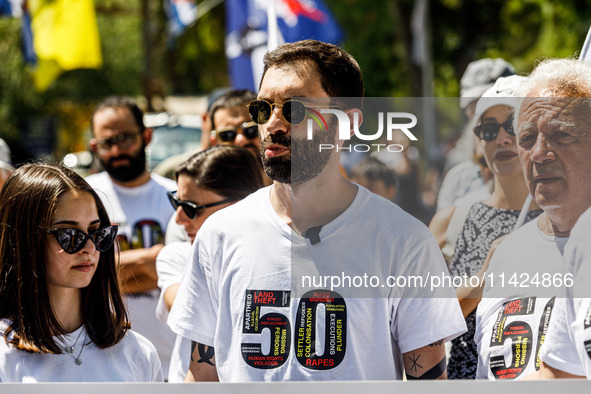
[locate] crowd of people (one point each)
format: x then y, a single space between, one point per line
130 276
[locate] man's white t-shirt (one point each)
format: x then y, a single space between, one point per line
516 307
142 213
568 343
170 265
239 294
133 359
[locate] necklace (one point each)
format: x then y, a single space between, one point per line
70 349
78 360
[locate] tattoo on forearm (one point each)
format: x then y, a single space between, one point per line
415 362
206 353
439 342
433 373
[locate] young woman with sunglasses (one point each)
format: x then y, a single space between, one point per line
62 317
492 218
207 182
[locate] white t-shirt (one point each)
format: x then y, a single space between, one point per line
568 343
170 265
240 295
142 213
513 316
133 359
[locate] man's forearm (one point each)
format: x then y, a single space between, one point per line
137 269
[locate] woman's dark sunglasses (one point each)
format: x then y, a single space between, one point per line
250 130
294 111
490 131
73 240
190 208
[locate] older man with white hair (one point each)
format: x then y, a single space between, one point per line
525 273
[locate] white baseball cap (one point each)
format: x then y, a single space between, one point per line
480 75
501 93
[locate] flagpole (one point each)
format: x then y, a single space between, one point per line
422 39
585 55
204 8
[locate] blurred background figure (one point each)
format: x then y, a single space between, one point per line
230 122
406 166
463 175
376 176
136 200
6 167
209 181
166 167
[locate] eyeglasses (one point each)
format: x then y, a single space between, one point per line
189 207
73 240
250 130
123 141
490 131
294 111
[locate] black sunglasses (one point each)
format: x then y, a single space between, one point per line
250 130
73 240
294 111
490 131
190 208
123 141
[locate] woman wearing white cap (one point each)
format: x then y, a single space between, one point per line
492 218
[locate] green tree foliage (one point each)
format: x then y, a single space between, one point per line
378 34
63 110
521 31
197 64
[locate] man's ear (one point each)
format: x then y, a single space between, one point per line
354 114
147 134
92 144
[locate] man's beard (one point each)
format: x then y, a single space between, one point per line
126 173
305 161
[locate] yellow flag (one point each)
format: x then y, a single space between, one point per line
65 37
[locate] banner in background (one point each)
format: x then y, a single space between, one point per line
247 32
64 37
10 8
180 14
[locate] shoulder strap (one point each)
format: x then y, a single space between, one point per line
456 223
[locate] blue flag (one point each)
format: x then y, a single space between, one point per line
247 37
180 14
27 35
10 8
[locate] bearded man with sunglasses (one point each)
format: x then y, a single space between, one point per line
137 202
240 301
